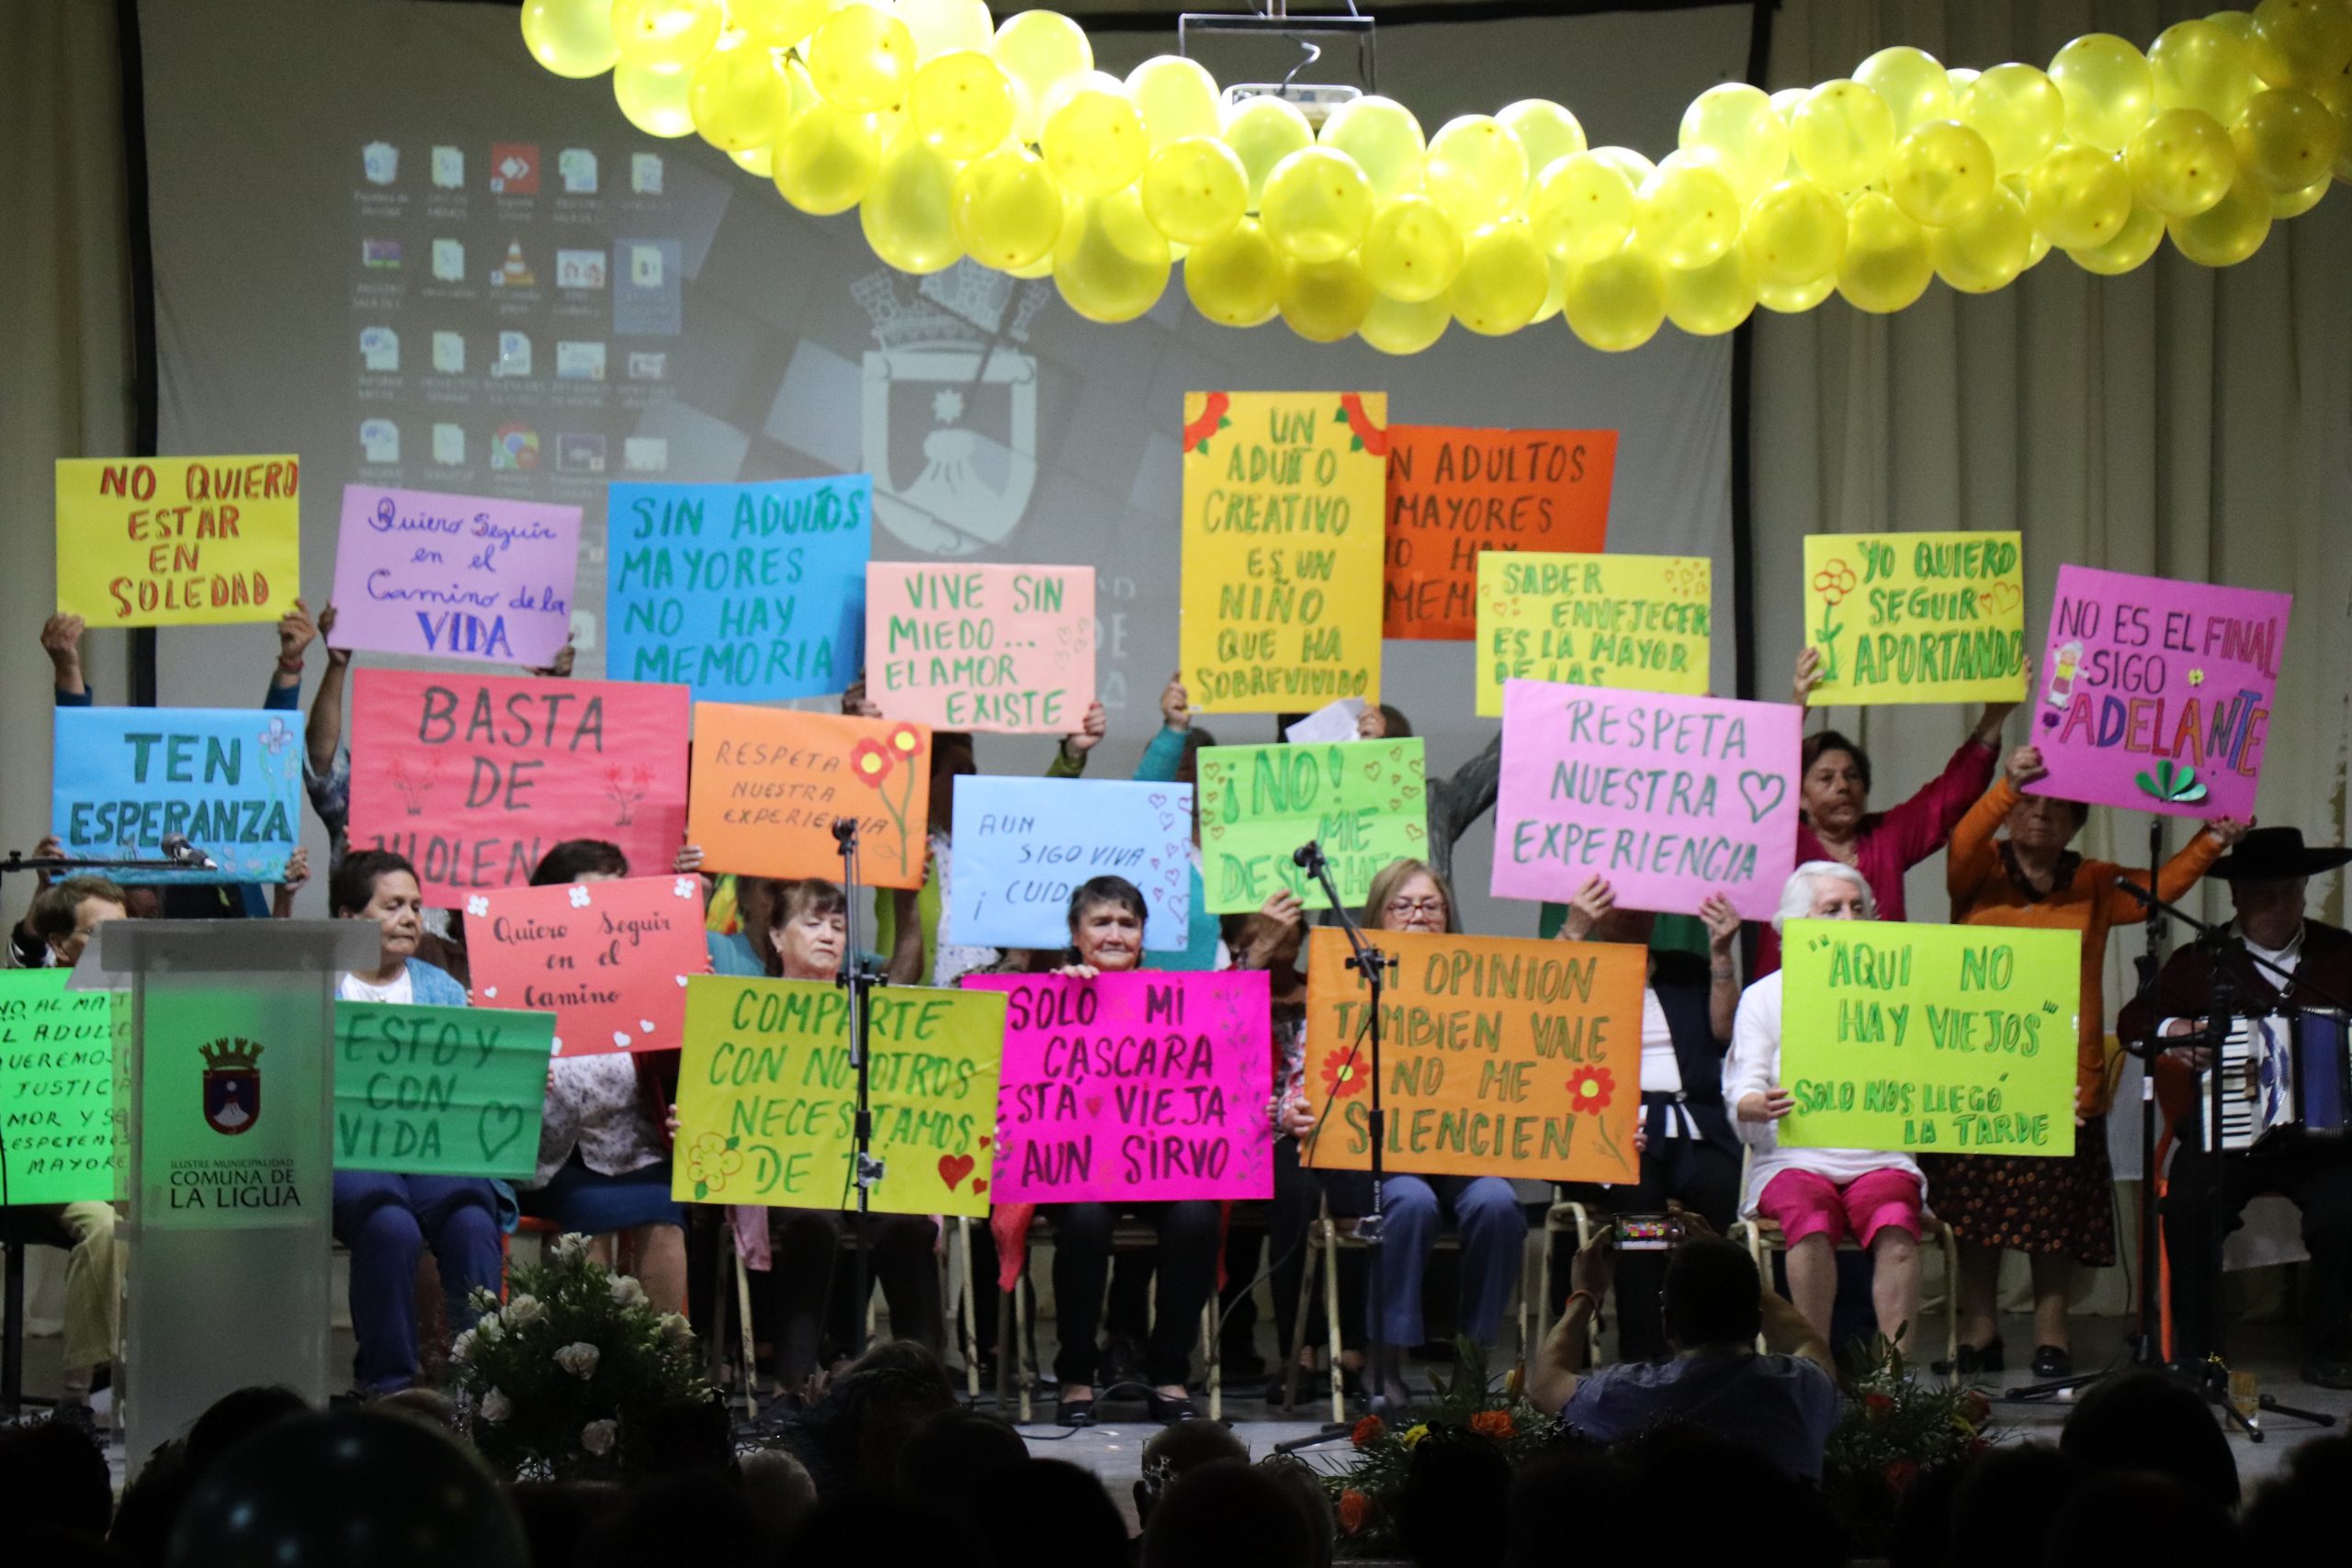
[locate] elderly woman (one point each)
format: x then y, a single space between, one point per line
1818 1197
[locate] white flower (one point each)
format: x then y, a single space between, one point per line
461 1345
687 887
569 1248
490 1331
477 906
482 1299
579 1358
523 1311
496 1406
597 1435
627 1292
580 898
676 1330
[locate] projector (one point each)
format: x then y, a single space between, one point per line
1316 101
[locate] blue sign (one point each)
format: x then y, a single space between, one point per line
227 779
1024 845
748 593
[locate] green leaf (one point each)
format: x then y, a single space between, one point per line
702 1189
1355 443
2148 786
732 1142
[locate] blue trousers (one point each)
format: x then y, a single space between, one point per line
385 1222
1494 1229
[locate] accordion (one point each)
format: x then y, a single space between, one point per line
2286 1069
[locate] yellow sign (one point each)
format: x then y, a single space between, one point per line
1639 623
1283 502
177 541
1916 617
1938 1039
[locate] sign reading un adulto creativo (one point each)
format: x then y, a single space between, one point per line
177 541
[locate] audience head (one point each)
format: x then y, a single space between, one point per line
864 1526
1711 1295
2301 1504
695 1516
1106 921
1824 890
52 1477
2143 1518
1407 896
1228 1514
150 1506
1454 1510
379 885
1835 788
1087 1530
557 1516
579 859
233 1418
1306 1488
678 1437
2145 1421
807 927
2046 824
780 1490
2007 1496
1920 1533
1175 1449
883 1397
67 1549
1578 1495
755 915
65 914
953 1452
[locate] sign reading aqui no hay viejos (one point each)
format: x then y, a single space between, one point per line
610 960
2157 695
227 779
179 541
770 783
1454 493
1952 1039
1021 845
1009 649
455 576
1364 801
1134 1088
1638 623
1499 1056
61 1134
1282 581
475 777
1670 798
439 1091
745 593
1916 617
767 1097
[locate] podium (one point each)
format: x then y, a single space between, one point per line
229 1157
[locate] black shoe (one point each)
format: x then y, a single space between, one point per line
1074 1412
2051 1361
1975 1359
2328 1374
1168 1411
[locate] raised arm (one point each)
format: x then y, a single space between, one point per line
61 639
2181 872
1722 969
1079 744
1556 1369
323 735
1165 752
1976 859
295 632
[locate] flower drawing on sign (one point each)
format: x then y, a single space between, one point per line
1832 583
415 786
1344 1073
579 896
874 762
627 786
276 738
711 1162
1364 435
870 761
685 887
2171 782
1211 420
477 906
1591 1091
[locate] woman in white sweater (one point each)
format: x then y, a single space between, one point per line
1818 1197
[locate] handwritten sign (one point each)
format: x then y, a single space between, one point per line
767 1097
2157 695
228 780
1951 1039
1499 1056
1933 617
769 785
1637 623
1022 845
179 541
1364 801
61 1138
998 648
610 960
1671 798
455 576
1281 594
1134 1088
475 777
746 593
1455 493
439 1091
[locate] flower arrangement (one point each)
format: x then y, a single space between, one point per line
549 1382
1891 1431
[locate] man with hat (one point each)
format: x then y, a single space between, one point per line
2269 876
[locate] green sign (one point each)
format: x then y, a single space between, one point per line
231 1089
60 1139
439 1091
1362 800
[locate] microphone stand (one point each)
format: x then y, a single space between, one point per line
858 979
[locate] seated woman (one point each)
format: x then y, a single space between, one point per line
1818 1197
385 1221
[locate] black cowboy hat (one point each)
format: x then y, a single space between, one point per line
2274 854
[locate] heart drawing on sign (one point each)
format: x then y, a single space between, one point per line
979 1185
1763 791
1094 1105
489 990
645 1025
620 1039
1372 770
498 1126
953 1169
1156 800
682 982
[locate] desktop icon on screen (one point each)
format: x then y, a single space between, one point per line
645 172
448 168
577 166
380 162
380 441
379 348
580 269
648 365
515 273
514 168
645 454
514 448
578 453
449 444
450 352
449 260
579 361
383 253
514 354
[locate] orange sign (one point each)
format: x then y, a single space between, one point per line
769 783
1454 492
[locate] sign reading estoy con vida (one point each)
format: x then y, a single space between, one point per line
1638 623
1364 802
1281 589
1954 1039
455 576
439 1091
1670 798
770 783
1021 845
1932 618
1454 494
227 779
1009 649
177 541
610 960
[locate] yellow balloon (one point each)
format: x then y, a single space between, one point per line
1707 301
1323 302
1195 189
1007 208
1176 97
1555 292
1040 50
1110 264
826 159
1316 205
1842 136
1263 132
1094 140
943 27
2231 230
1476 171
2295 203
1941 173
1796 234
2181 162
962 103
2110 91
862 59
778 23
1628 162
2301 43
1887 263
2286 138
571 38
2078 195
2202 66
2042 247
1794 299
1234 280
1618 302
1546 131
1503 280
1987 249
1737 123
909 213
1412 250
653 101
1687 213
2017 111
2337 96
1913 82
1384 140
2239 25
1405 326
758 161
739 95
2132 245
664 35
1582 207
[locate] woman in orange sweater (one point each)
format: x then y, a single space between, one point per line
2058 1212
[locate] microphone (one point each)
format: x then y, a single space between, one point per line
180 851
844 829
1308 855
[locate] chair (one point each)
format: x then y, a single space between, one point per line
1013 1321
1763 1238
20 1228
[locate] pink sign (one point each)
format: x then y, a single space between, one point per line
1670 798
455 575
998 648
610 959
474 777
2157 694
1133 1088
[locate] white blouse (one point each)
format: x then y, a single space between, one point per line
1753 1062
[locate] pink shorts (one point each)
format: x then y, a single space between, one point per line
1804 1203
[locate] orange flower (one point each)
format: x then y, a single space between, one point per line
1877 1404
906 739
1367 1431
1355 1511
870 761
1834 582
1900 1473
1495 1423
1590 1090
1344 1073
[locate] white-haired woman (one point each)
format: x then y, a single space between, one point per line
1818 1197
